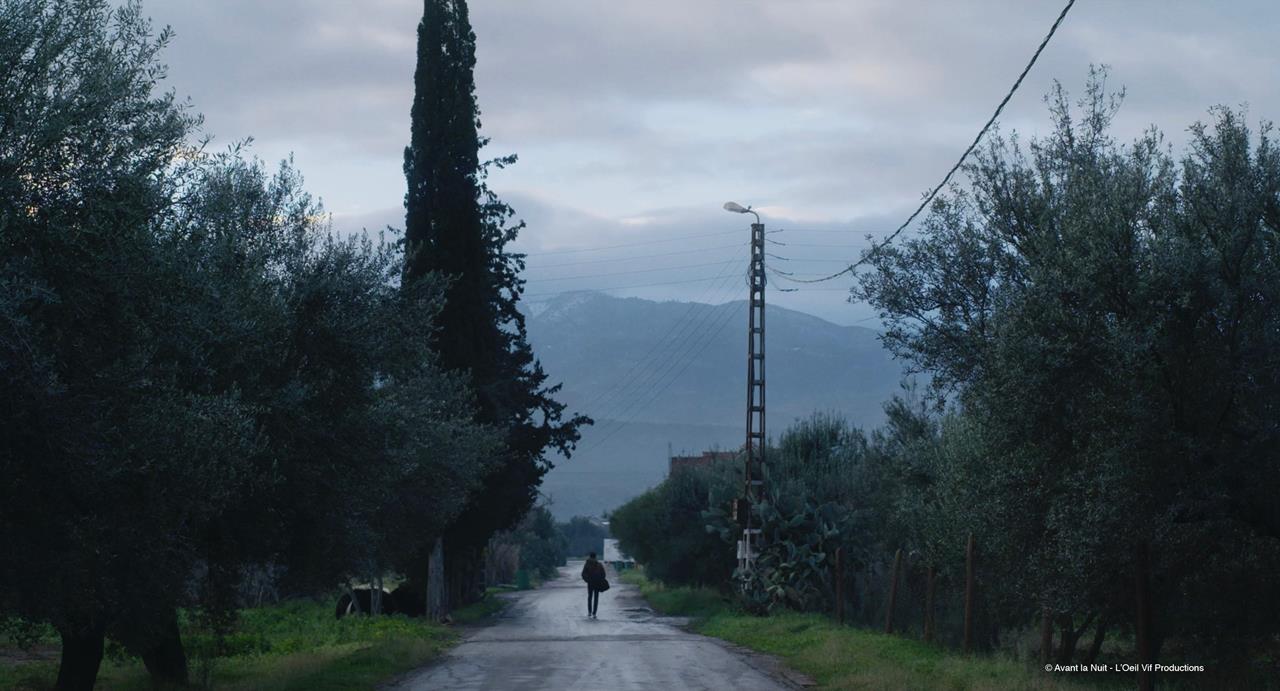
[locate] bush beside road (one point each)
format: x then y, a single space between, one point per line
292 645
842 657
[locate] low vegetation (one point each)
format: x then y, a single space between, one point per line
582 536
293 645
841 657
683 601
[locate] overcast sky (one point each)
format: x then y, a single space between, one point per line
635 120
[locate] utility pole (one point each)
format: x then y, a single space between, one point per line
754 449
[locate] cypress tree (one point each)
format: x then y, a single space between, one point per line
455 226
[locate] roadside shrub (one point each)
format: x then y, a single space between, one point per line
666 528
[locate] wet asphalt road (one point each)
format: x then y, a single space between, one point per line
544 640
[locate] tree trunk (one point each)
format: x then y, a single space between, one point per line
454 572
355 600
1096 647
1142 625
840 585
1070 635
969 586
375 595
81 657
166 661
436 605
1046 637
475 575
929 590
893 592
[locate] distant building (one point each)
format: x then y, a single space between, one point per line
707 458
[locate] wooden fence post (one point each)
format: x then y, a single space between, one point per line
893 592
968 597
1142 627
840 585
928 605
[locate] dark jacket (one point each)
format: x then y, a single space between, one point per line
593 573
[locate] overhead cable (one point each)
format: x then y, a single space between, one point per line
947 178
631 244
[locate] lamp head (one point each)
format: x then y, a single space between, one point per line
736 208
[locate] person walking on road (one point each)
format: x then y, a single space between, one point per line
593 574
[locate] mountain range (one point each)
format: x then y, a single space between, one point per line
670 377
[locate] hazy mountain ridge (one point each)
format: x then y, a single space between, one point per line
614 355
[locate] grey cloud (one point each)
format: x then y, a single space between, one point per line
656 110
554 56
295 69
701 255
582 70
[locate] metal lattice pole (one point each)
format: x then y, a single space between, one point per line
755 446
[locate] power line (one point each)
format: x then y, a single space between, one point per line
683 333
810 244
605 290
630 244
672 338
657 390
809 259
947 178
628 258
782 274
633 271
789 274
810 230
685 337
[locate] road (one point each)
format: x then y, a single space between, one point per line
544 640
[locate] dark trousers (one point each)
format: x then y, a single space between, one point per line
593 600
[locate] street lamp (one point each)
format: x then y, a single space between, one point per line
737 208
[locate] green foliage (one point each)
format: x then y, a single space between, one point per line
679 601
1095 319
793 569
533 550
1098 313
583 536
303 625
840 657
820 481
115 461
479 611
666 530
297 644
455 226
196 376
542 547
23 634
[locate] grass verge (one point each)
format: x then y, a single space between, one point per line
296 645
479 611
699 603
842 657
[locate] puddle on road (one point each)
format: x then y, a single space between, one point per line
648 616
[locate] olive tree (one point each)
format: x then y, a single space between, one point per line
1103 316
196 375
